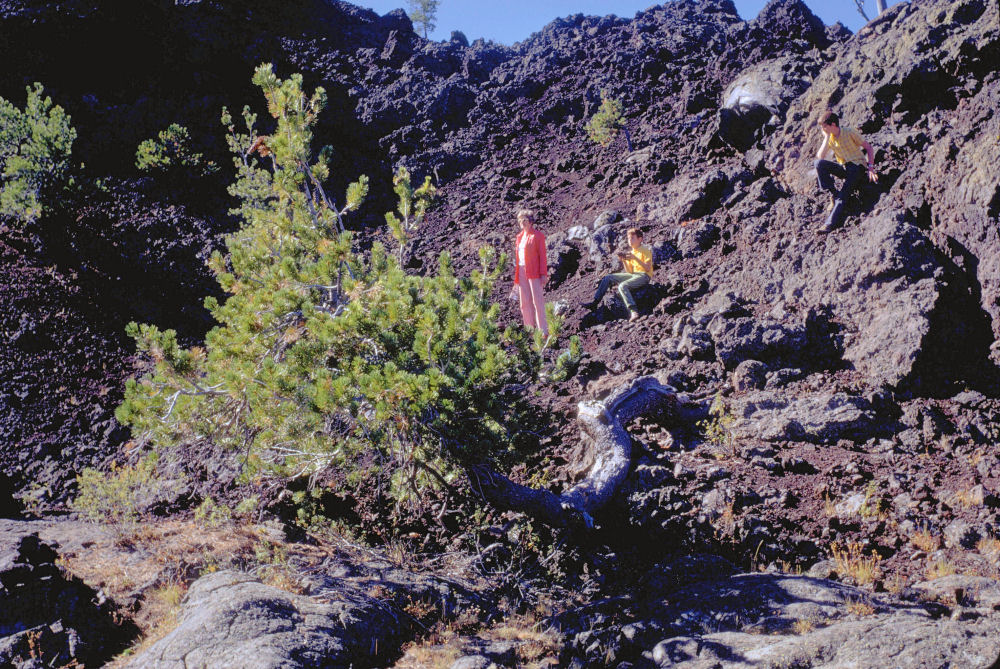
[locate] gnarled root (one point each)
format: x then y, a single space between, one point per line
602 426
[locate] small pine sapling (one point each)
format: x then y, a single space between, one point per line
171 150
609 120
423 14
412 208
35 146
718 427
546 340
567 361
325 359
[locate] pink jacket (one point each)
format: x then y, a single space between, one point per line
535 264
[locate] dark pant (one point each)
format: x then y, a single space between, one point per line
851 173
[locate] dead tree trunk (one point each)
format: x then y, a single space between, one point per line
602 427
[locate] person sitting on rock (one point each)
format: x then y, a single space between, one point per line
638 266
849 149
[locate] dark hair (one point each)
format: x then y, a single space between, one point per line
635 231
829 118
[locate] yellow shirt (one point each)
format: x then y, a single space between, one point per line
634 266
848 147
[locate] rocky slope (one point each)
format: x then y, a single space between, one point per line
855 372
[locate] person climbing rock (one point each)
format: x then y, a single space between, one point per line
638 266
849 149
530 271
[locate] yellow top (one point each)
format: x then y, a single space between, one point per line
848 147
634 266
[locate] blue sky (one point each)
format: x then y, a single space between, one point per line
509 21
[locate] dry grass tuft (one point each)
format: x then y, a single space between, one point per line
803 626
168 556
537 646
990 547
940 569
855 565
428 657
969 499
171 595
860 608
829 507
895 584
925 541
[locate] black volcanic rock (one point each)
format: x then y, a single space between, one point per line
45 617
446 109
902 300
792 20
865 401
9 507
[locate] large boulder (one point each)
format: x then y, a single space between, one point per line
899 639
911 61
740 339
563 259
760 96
791 20
690 196
956 184
908 318
928 107
772 601
713 619
819 418
229 619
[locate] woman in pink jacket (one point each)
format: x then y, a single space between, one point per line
530 271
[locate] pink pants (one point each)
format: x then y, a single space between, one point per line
532 304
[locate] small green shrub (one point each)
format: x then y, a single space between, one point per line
718 427
211 514
247 507
171 150
119 497
609 120
567 361
309 509
873 506
35 146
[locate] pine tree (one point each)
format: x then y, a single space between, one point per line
605 125
35 146
323 358
423 14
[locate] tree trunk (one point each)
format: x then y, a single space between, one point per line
602 428
881 6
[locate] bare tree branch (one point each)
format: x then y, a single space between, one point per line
860 4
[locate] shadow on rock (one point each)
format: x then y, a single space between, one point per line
48 618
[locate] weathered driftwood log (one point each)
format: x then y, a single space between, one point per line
602 427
